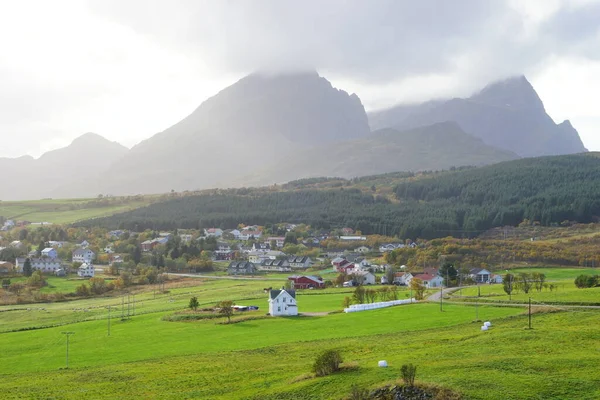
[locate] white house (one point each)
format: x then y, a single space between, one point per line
44 264
429 280
246 234
236 234
497 279
83 255
279 240
84 244
402 278
363 277
86 270
185 238
49 252
480 275
216 232
282 303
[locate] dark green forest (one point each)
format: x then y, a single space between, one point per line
548 190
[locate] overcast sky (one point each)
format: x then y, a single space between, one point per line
128 69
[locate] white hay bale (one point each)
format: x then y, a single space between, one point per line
383 364
488 324
484 328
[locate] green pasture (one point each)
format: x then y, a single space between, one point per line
558 273
270 358
64 211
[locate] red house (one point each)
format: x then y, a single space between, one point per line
306 282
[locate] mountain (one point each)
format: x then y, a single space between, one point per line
71 171
260 119
507 114
435 147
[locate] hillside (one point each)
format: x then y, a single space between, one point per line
436 147
71 171
507 114
258 120
464 202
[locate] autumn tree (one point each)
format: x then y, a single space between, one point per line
225 308
418 288
525 282
371 295
359 295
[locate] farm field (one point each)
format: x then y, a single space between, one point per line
150 358
66 211
565 290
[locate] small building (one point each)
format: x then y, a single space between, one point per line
429 280
60 272
480 275
274 265
282 303
86 270
241 268
216 232
6 267
248 234
306 282
279 241
362 277
83 255
402 278
49 252
300 262
185 238
43 264
497 279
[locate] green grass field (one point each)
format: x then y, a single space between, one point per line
66 211
269 358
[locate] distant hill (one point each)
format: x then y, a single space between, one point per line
465 202
507 114
435 147
68 172
258 120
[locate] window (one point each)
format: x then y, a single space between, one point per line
279 309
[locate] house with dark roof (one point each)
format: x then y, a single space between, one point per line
480 275
282 303
274 265
241 268
300 262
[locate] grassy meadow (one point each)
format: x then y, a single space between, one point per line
66 211
260 357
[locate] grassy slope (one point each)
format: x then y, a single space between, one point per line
64 211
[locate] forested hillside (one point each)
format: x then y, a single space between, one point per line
460 203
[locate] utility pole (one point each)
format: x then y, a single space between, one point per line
530 313
108 320
441 297
122 306
477 310
68 334
134 304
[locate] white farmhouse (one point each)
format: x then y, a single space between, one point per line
86 270
44 264
282 303
363 277
83 255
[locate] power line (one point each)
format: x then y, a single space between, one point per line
68 335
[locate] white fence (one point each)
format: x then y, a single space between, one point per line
374 306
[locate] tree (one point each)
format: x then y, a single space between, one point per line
346 302
390 274
449 273
418 288
41 247
36 279
97 285
225 308
359 295
371 295
408 372
525 282
507 283
290 238
327 363
27 270
137 255
538 280
194 303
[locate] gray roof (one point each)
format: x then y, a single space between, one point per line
275 293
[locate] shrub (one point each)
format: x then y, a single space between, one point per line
327 363
587 281
408 374
358 393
